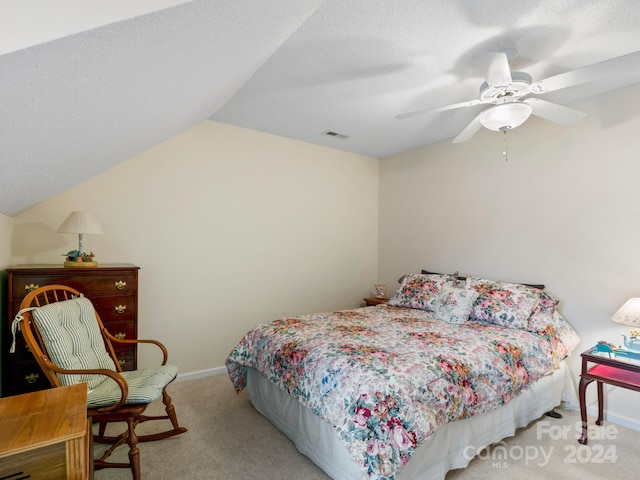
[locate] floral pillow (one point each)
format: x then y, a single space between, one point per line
543 317
453 305
419 291
549 323
502 303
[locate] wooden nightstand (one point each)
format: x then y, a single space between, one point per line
612 371
371 301
46 435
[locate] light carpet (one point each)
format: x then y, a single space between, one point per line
228 439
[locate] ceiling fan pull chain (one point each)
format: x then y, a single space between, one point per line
505 152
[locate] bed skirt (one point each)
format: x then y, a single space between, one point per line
452 446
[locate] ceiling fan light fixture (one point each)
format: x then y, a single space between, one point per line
505 116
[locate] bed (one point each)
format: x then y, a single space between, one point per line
413 388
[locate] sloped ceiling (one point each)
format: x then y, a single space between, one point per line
104 84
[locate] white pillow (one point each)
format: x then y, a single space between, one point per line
454 305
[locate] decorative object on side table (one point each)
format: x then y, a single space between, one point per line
629 315
81 223
380 291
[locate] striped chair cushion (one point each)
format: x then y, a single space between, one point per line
72 337
145 386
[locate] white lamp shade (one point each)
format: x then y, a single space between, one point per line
80 222
629 313
505 116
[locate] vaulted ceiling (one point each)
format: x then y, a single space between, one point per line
87 85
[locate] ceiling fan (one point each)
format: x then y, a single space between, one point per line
505 92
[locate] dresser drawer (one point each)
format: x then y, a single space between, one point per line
27 377
115 309
126 357
44 463
89 285
110 308
122 330
22 353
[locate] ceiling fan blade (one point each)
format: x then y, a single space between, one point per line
554 112
469 131
591 73
453 106
499 74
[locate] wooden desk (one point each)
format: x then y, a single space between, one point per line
45 434
612 371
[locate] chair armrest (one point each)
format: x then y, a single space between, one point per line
165 353
122 384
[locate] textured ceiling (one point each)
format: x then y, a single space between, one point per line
45 20
78 104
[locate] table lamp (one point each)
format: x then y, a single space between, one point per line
629 315
81 223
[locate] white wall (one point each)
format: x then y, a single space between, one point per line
563 210
230 227
6 226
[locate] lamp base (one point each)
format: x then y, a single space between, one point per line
80 264
79 259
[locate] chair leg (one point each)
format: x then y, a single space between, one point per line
129 436
115 443
134 451
170 415
101 429
169 408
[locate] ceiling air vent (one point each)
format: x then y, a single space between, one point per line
335 134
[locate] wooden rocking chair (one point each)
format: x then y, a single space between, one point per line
71 345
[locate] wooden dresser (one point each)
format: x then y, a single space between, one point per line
45 435
113 289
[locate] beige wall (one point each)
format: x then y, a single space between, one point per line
230 227
563 210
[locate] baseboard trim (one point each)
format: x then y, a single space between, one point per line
630 423
621 420
210 372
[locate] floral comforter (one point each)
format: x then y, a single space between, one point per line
387 377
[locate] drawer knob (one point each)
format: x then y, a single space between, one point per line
120 308
120 335
122 362
32 377
120 284
31 287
